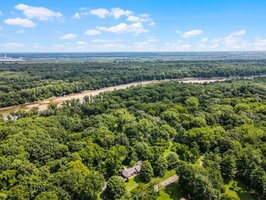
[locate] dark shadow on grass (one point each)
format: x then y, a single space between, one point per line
244 192
137 179
174 191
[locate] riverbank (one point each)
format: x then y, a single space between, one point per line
43 104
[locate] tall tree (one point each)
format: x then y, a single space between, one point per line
172 160
92 186
228 167
160 167
143 192
115 188
258 180
146 172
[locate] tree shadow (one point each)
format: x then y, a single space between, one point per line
174 191
137 179
244 192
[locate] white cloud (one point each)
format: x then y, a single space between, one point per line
118 12
1 13
136 28
185 46
260 44
152 23
92 32
133 18
237 33
109 46
83 12
190 34
216 43
68 36
206 44
142 18
39 13
101 41
177 46
36 45
13 45
204 39
20 31
114 12
77 15
234 40
100 12
146 45
27 23
81 43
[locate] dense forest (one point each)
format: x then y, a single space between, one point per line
69 152
32 81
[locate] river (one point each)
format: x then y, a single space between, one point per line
43 104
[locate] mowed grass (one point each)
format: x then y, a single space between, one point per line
134 182
131 184
99 197
168 150
239 192
170 192
166 176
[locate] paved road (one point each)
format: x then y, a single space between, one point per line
166 182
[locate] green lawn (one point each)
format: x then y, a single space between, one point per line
168 150
133 182
166 176
240 192
99 196
231 192
170 192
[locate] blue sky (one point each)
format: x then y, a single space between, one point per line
132 25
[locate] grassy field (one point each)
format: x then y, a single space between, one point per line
166 176
168 150
170 192
173 192
133 182
238 192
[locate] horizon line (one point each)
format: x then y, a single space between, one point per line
222 51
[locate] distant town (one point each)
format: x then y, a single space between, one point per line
5 58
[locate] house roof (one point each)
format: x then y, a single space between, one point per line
132 170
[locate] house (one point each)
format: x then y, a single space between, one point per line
129 172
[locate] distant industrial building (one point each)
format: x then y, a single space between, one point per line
5 58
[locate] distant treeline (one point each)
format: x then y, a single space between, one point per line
28 82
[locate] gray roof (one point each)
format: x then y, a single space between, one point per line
126 173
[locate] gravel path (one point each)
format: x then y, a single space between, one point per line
166 182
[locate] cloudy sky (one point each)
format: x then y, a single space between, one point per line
132 25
